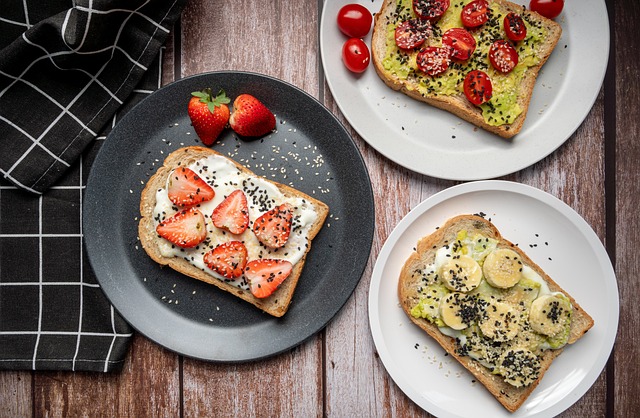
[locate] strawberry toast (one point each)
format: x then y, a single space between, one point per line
212 219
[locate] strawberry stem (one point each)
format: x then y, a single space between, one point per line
206 97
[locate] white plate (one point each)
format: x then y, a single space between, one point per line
557 239
436 143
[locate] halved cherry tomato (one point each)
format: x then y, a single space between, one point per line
503 56
433 60
477 87
354 20
461 42
514 27
475 13
355 55
430 9
412 33
547 8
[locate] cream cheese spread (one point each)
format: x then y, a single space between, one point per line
262 196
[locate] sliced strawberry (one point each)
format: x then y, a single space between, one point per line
273 227
227 259
185 229
250 117
265 275
186 188
232 214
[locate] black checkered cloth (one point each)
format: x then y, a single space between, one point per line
68 71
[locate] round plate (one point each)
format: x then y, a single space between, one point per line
436 143
557 239
310 150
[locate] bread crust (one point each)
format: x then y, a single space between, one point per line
275 304
458 104
509 396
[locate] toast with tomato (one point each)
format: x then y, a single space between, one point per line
478 59
210 218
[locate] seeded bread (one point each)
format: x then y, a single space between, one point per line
509 396
458 103
277 303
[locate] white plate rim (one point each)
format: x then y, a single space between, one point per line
458 191
560 103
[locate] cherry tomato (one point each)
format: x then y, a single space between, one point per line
475 13
433 60
477 87
354 20
355 55
514 27
430 9
503 56
461 42
547 8
412 33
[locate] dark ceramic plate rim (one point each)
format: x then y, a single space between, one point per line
128 276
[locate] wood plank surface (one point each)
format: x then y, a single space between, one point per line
627 214
258 37
337 373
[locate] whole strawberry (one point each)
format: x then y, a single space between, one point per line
250 117
209 115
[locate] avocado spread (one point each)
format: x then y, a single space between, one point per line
503 107
504 326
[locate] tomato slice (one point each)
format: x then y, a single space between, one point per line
475 13
430 9
356 55
503 56
547 8
433 60
514 27
461 42
354 20
477 87
412 33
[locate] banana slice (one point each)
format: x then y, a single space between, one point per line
502 268
461 273
550 314
499 321
519 367
457 310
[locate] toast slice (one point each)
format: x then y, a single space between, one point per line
309 216
511 92
420 278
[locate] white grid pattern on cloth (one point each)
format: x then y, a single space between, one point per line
116 93
81 284
88 330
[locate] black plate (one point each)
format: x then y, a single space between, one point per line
311 151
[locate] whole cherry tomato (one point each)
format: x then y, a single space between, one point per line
354 20
514 27
477 87
547 8
475 13
355 55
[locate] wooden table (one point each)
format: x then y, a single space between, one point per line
337 372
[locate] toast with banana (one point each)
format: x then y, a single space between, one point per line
476 59
210 218
489 306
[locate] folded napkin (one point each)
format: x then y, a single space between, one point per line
68 71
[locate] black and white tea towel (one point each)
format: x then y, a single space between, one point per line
69 69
